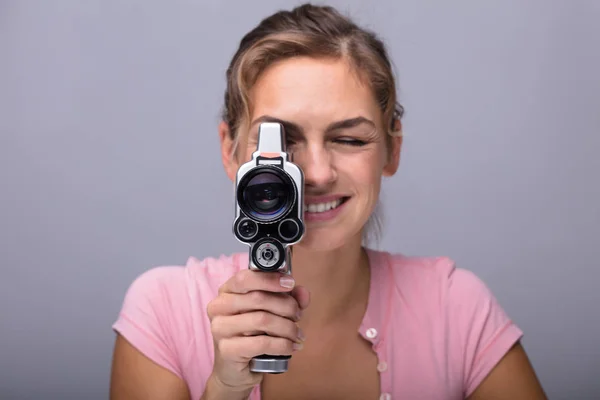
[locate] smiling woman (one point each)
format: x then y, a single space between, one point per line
337 134
362 324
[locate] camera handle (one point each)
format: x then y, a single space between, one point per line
272 364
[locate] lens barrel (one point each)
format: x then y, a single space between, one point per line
266 194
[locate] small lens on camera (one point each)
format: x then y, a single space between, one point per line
289 229
268 255
247 229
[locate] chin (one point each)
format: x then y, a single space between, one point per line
319 239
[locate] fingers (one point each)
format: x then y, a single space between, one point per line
302 296
242 349
255 323
256 313
275 303
248 280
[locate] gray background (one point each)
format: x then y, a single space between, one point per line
109 165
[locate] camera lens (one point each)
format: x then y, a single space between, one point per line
266 194
289 229
247 229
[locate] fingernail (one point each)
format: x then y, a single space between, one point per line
287 282
297 346
300 335
299 314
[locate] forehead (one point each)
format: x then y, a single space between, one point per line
312 92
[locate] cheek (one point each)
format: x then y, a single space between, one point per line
364 168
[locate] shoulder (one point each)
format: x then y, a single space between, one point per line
163 309
177 281
437 283
442 299
432 274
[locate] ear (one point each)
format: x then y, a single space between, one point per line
227 157
393 161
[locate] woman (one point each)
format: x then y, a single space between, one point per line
359 324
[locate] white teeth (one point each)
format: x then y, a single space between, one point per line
322 207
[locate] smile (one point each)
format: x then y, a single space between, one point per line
324 207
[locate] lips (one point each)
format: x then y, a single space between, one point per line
324 204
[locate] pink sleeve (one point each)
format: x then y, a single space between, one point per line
145 320
487 333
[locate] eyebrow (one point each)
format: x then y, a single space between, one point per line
295 128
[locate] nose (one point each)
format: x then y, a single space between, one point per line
317 165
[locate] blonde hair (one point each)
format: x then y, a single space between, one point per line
312 31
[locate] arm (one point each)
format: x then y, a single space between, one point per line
513 378
134 376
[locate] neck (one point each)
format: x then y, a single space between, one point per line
338 281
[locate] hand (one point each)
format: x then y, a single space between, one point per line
254 313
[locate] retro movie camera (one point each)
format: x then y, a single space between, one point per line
269 214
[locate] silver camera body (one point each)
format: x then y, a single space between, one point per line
269 215
269 202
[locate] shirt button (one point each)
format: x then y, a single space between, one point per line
371 333
382 366
385 396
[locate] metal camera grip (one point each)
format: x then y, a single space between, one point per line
269 215
270 364
274 364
